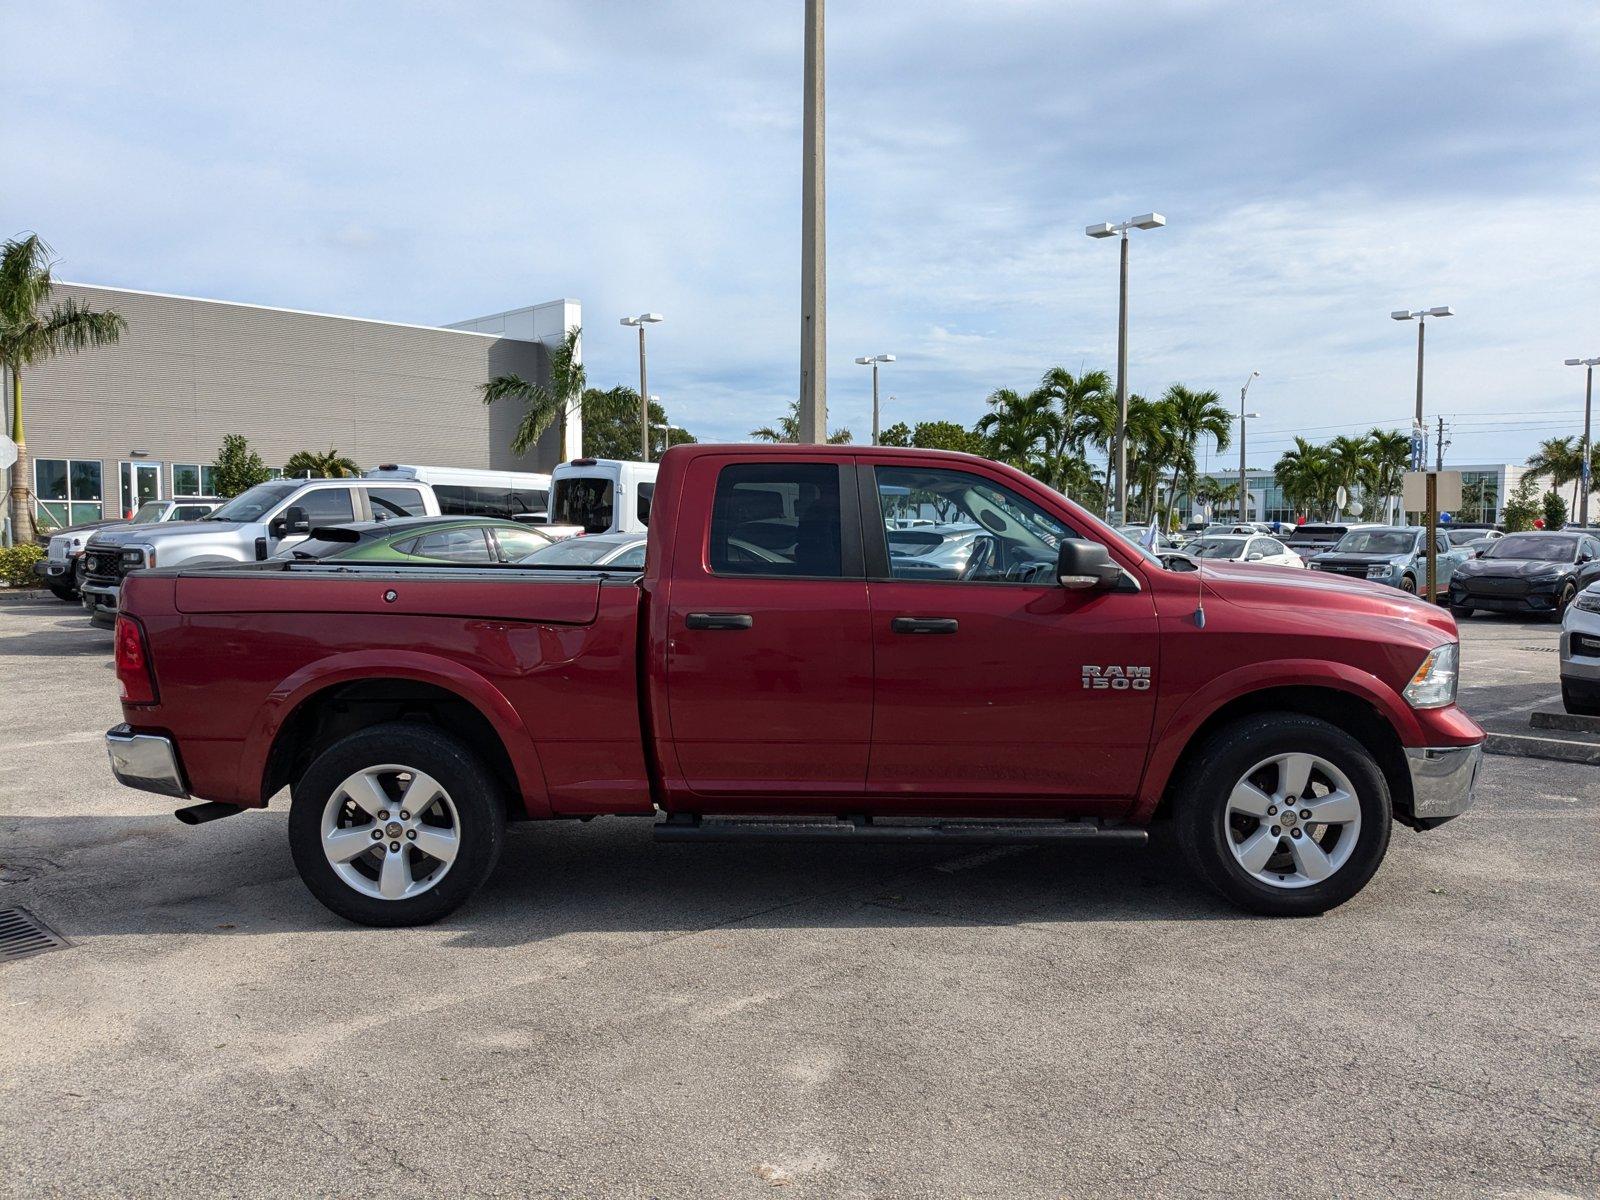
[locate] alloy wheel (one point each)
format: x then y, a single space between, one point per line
1292 820
390 832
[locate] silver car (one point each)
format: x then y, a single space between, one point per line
1580 653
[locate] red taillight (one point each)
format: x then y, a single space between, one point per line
134 674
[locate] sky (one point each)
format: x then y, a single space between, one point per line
1319 165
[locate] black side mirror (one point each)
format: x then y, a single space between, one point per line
293 520
1081 565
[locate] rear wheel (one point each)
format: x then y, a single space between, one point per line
396 825
1284 815
1408 584
1580 698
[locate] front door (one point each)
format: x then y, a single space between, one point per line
992 680
141 483
769 661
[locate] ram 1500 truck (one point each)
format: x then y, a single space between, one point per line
847 643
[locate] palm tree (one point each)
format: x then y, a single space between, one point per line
1562 460
1309 477
1388 454
544 404
1349 455
788 429
1071 398
1152 447
308 464
1192 415
1019 429
31 333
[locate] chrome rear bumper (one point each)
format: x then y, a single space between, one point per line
145 761
1442 780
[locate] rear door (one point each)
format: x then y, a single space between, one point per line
769 656
992 680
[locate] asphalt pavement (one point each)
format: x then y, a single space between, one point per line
614 1018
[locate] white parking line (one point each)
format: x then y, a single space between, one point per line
93 735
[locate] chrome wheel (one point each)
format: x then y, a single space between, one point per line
390 832
1292 820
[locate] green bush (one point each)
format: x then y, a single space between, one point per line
1555 511
16 564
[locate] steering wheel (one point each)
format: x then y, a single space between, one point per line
982 558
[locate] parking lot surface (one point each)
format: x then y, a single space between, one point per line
615 1018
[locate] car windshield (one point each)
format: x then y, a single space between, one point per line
1377 541
255 503
1533 547
1216 547
574 552
149 512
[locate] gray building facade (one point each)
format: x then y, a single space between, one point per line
110 427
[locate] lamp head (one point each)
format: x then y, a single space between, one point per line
1444 310
1149 221
1103 230
863 361
1401 315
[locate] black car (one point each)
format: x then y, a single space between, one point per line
1534 573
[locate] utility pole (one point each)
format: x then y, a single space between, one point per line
641 321
1432 521
1585 467
813 239
1244 491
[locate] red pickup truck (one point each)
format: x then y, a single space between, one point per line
847 643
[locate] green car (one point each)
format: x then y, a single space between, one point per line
481 540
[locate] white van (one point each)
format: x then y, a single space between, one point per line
464 492
604 495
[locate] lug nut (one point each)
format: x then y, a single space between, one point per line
404 815
1305 814
377 835
1294 833
394 847
411 834
383 814
1276 830
1272 810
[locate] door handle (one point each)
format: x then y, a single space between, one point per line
924 624
719 621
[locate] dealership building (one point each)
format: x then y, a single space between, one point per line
1485 488
113 426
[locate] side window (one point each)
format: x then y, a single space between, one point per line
325 506
631 559
396 502
647 492
1441 543
1270 546
968 529
450 545
777 519
526 502
519 543
453 501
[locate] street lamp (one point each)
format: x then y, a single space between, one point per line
1420 316
874 362
641 321
1244 511
1588 446
1120 459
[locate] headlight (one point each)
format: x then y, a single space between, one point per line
1379 571
1434 684
1315 566
1588 600
133 556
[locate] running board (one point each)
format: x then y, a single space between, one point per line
687 827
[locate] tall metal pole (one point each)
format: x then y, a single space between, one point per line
1244 514
1422 330
1120 516
813 241
1584 468
874 404
644 402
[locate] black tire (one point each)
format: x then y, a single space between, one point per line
1580 699
1461 611
1408 585
1564 598
62 592
472 788
1223 761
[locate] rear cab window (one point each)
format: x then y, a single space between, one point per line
396 502
779 519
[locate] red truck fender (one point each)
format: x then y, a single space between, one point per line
414 665
1179 731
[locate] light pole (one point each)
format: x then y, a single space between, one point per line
1420 316
1588 446
1244 492
874 361
1120 457
641 321
814 238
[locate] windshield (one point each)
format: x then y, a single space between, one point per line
1217 548
1377 541
149 512
1534 547
574 552
582 501
255 503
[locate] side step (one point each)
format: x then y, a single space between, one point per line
687 827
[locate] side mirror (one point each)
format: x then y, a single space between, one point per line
293 520
1255 556
1081 565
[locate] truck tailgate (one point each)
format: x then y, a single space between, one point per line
505 596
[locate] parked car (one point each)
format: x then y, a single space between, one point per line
1533 573
1310 539
1283 719
1138 533
618 551
62 566
1468 537
422 539
1396 555
1244 547
603 495
251 527
1580 653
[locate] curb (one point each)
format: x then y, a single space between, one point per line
1571 722
1522 745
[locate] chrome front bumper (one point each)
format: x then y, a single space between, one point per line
1442 780
97 596
145 761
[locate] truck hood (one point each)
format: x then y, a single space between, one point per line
1257 586
156 534
1512 568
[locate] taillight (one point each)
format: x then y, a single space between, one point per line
134 672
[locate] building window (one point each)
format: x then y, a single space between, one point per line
192 479
66 491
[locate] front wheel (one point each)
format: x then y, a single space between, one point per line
62 591
1580 698
1285 815
396 825
1408 585
1568 591
1461 611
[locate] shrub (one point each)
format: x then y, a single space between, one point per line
16 564
1555 511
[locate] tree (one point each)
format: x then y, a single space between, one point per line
1019 429
1191 415
1309 477
611 424
1562 460
1555 511
30 333
238 467
544 404
933 435
1349 456
1523 506
788 429
1071 399
310 464
1388 454
898 434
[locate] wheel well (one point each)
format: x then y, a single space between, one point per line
1350 713
326 716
